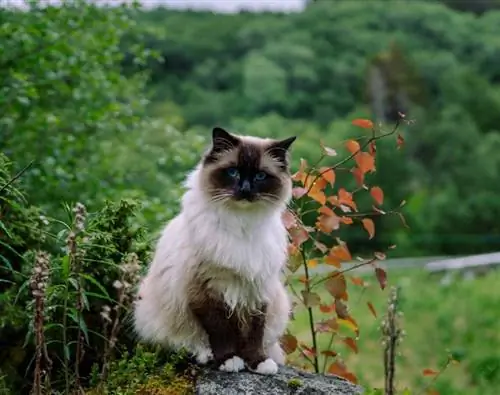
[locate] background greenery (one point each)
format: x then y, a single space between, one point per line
117 103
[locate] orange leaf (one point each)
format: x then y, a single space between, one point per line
301 173
312 263
328 223
336 285
365 162
315 183
372 309
359 176
309 351
327 326
381 277
310 299
429 372
326 308
349 341
369 226
317 195
377 195
331 260
326 211
299 235
292 249
346 220
289 219
328 174
357 281
400 141
341 252
288 343
363 123
352 146
329 353
340 370
341 310
346 198
298 192
349 323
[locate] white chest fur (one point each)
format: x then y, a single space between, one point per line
244 251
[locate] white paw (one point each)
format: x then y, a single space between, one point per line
267 367
204 355
234 364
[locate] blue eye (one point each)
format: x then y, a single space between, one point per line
260 176
233 172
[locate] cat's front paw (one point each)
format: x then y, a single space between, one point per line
234 364
204 355
267 367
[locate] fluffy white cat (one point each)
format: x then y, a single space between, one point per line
214 284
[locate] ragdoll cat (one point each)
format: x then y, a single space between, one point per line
214 285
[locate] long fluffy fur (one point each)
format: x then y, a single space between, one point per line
249 242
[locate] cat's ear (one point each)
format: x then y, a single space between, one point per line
223 140
279 149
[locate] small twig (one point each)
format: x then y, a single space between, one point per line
307 358
16 176
441 371
345 271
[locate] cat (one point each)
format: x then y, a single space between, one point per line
213 287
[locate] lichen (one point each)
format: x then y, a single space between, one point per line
294 383
178 385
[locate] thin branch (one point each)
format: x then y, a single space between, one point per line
345 271
310 313
13 179
445 366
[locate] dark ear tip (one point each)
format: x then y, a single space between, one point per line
288 142
217 130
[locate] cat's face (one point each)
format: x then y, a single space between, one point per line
246 171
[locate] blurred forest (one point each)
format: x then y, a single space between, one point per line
93 135
116 104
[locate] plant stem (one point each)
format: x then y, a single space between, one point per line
65 336
16 176
311 317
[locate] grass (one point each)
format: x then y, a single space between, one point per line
461 317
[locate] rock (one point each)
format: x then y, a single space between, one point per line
287 381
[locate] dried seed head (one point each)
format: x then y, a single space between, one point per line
40 273
80 216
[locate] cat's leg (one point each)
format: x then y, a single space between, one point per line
277 318
221 326
251 346
203 354
276 353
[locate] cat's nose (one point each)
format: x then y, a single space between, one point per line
245 187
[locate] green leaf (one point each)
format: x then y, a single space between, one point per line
65 269
92 280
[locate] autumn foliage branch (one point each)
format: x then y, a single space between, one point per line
324 258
